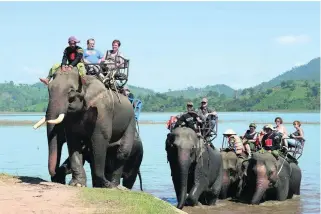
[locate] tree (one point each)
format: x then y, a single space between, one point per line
269 91
251 91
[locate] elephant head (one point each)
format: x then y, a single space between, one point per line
182 146
261 172
66 93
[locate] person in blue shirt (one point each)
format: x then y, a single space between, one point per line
92 55
137 104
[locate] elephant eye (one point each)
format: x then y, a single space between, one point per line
71 99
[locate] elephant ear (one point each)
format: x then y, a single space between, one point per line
169 140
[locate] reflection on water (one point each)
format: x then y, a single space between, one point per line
24 151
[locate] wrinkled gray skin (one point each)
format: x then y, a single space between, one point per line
232 173
196 169
295 181
262 181
131 168
104 120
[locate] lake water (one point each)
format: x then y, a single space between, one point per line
24 151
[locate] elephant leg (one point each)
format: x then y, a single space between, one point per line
76 161
131 175
123 153
62 172
200 184
99 150
216 188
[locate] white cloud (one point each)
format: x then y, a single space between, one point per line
292 39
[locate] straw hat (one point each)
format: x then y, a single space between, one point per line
229 132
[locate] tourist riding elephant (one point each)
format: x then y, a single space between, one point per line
196 168
106 118
266 178
232 173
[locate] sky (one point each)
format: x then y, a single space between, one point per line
171 45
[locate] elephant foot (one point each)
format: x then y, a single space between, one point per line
58 179
191 202
109 185
77 183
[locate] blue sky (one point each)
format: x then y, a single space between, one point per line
171 45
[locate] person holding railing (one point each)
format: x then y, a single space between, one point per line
298 135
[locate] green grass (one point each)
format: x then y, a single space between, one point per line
118 201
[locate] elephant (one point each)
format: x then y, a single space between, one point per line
196 168
268 178
84 110
232 173
131 169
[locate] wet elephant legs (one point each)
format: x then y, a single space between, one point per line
76 161
65 168
196 191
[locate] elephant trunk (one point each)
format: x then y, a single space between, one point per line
183 168
56 108
225 185
262 183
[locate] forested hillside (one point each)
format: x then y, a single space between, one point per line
297 89
309 71
289 95
192 92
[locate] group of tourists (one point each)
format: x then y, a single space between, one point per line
196 119
271 138
88 62
76 56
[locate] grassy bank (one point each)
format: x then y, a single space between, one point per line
115 201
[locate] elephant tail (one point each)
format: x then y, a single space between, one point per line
140 180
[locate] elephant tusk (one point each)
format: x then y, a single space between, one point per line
39 123
59 119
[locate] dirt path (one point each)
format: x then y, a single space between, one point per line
33 195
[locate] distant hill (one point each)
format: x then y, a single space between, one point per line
296 89
309 71
288 96
192 92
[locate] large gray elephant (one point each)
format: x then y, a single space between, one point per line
267 178
106 118
196 168
232 173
